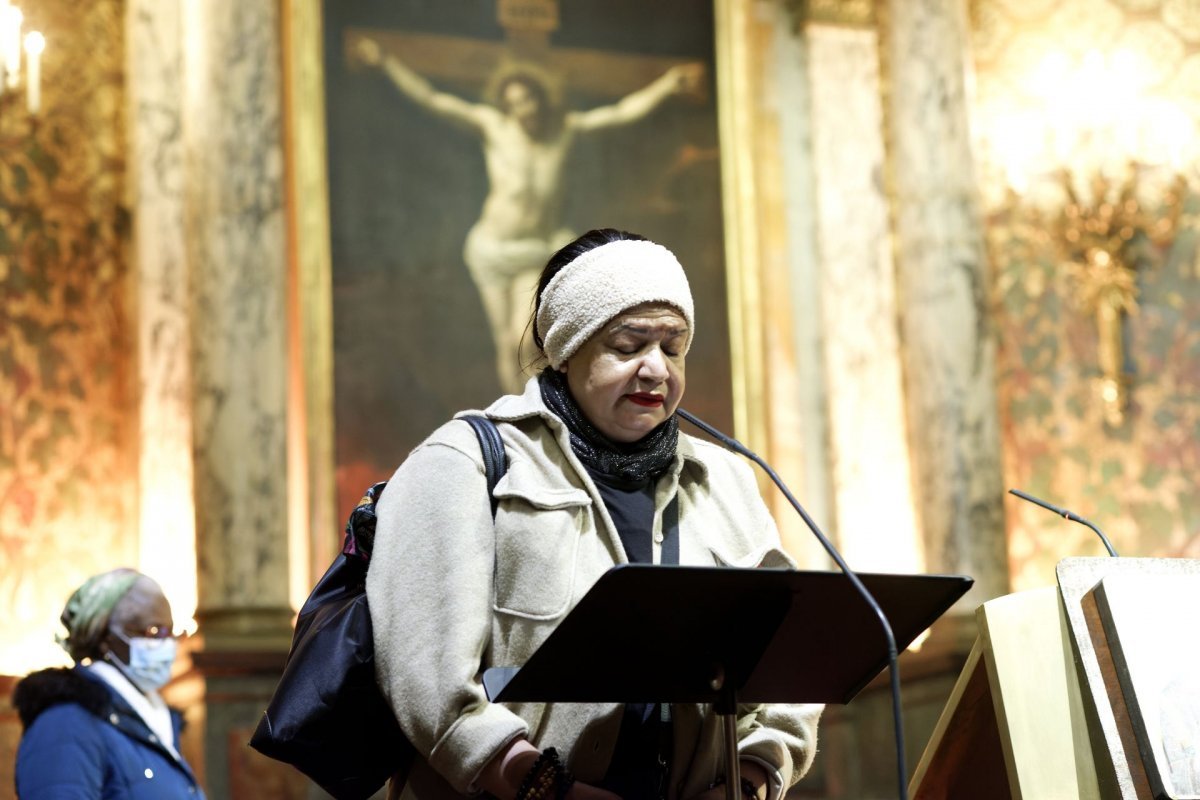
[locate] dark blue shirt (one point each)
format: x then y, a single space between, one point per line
642 754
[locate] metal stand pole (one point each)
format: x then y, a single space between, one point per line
726 708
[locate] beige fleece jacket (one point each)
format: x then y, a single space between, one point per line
451 595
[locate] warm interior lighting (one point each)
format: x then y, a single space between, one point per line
36 592
877 529
11 20
167 544
1088 115
167 554
35 43
32 650
11 46
919 642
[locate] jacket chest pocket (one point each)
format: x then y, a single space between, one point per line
538 528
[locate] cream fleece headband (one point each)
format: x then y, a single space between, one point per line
603 282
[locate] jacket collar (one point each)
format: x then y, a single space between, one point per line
124 718
529 404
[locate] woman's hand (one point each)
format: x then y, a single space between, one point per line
504 774
751 771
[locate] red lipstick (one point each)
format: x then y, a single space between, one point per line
646 399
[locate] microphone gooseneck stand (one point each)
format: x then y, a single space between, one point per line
1065 514
727 707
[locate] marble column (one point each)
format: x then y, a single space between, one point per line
942 279
154 66
238 282
236 244
869 460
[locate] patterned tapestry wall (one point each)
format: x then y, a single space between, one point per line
67 398
1135 479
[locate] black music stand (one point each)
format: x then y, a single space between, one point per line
721 635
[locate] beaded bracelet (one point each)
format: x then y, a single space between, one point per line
547 779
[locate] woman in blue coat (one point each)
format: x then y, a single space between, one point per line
100 729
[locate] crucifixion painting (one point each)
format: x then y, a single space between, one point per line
467 141
526 136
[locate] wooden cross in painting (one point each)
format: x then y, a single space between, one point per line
525 132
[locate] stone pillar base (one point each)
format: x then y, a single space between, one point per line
246 629
237 687
240 662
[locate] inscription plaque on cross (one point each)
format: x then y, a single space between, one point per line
528 21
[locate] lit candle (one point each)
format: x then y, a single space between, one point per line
35 43
4 4
11 28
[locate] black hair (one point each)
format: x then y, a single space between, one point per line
568 253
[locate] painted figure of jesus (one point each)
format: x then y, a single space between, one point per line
526 139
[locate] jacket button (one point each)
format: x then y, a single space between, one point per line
153 738
113 718
149 772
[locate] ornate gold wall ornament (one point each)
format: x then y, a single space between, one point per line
1107 238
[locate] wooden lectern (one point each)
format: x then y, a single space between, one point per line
1090 690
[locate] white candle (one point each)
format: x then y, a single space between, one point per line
11 27
4 4
35 43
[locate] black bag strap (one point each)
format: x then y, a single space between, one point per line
360 528
495 461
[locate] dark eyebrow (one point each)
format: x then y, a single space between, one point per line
626 326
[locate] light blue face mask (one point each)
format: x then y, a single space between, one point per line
150 661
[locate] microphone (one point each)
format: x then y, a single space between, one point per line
741 449
1062 512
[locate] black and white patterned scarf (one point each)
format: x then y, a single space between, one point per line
648 457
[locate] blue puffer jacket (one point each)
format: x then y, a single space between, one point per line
82 740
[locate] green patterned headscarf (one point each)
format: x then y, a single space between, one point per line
86 613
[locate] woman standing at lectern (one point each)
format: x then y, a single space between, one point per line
599 475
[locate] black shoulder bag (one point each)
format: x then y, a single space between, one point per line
327 717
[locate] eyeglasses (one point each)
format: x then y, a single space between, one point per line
149 632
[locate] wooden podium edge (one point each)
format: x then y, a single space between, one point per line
974 752
1119 764
1010 728
1100 638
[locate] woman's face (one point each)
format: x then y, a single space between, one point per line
628 378
142 612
